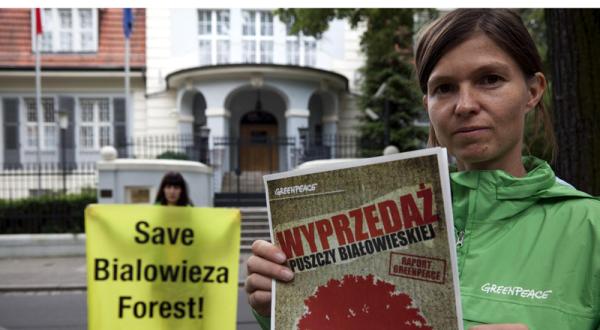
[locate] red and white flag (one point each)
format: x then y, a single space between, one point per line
38 21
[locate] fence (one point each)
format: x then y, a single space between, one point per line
335 146
172 146
233 161
230 157
27 180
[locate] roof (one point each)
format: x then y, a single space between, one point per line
16 51
179 77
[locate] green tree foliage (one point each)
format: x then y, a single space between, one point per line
387 44
170 154
535 142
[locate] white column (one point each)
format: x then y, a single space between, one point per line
217 120
295 119
330 129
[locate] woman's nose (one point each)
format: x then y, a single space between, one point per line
467 103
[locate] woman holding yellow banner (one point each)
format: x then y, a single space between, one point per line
173 191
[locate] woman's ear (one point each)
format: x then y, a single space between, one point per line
425 102
536 86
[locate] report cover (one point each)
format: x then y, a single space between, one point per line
371 243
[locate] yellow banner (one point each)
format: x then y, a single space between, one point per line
156 267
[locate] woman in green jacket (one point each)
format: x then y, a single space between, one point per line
528 246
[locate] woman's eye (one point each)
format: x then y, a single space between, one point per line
491 79
443 89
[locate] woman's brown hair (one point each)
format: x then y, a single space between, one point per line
507 30
173 179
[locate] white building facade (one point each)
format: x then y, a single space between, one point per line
232 86
254 93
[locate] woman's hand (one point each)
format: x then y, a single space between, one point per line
264 265
506 326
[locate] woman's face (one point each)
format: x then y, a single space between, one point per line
477 98
172 194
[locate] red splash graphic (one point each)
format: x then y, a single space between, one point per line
359 302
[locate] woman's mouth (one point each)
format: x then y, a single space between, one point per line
471 130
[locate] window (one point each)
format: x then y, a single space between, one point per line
300 49
310 51
266 23
95 130
249 23
213 36
204 22
86 29
222 51
222 22
49 130
254 38
205 52
248 51
67 30
266 51
292 52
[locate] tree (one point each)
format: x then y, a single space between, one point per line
387 44
574 50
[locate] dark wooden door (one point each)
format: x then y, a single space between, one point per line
258 147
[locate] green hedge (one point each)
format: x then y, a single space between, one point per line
46 214
169 154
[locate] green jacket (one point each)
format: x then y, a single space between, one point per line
528 250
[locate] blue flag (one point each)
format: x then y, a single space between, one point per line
127 22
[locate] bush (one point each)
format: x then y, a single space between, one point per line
45 214
173 155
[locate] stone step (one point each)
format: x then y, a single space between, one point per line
262 227
256 233
255 218
255 225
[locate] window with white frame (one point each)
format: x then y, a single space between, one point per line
248 51
300 49
49 130
266 51
68 30
257 43
310 52
248 22
95 127
292 51
292 45
214 36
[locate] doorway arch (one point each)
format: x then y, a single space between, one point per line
258 141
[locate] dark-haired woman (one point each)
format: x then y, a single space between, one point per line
173 191
528 245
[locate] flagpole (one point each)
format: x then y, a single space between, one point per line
38 102
127 29
127 101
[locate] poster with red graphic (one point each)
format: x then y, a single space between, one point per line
371 243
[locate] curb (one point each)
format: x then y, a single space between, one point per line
42 245
42 287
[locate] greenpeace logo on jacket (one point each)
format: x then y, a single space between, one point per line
515 291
